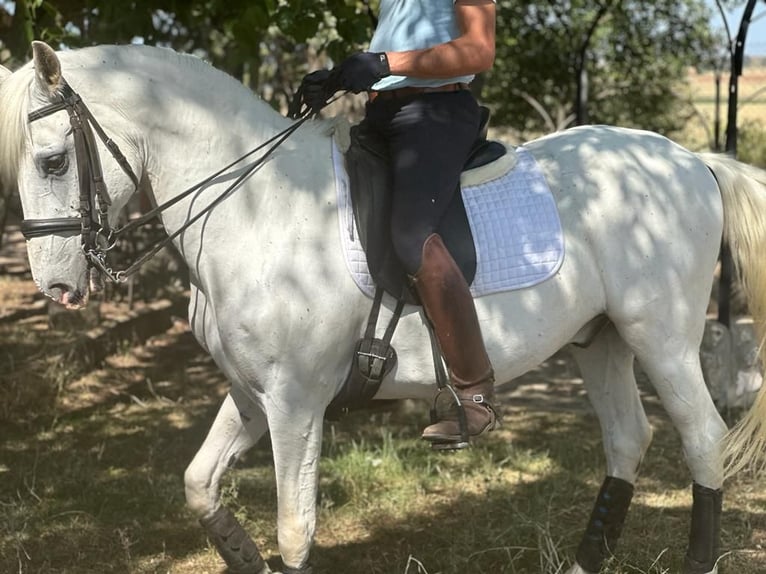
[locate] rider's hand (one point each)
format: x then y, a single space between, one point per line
357 73
314 92
360 71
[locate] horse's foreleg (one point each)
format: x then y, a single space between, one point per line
233 432
672 362
296 437
607 369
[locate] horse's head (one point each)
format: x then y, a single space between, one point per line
71 180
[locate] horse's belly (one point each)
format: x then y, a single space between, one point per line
523 328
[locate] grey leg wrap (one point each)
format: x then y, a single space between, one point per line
605 524
705 533
303 570
232 542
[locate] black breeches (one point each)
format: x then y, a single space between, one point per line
429 137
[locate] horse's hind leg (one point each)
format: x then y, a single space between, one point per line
668 351
606 366
235 430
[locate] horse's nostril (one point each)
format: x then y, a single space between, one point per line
66 294
57 290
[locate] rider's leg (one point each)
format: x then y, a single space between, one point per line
430 137
449 306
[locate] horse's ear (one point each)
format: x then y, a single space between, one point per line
47 67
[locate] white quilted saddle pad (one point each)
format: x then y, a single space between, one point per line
513 218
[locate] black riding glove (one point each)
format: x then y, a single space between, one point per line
360 71
315 90
357 73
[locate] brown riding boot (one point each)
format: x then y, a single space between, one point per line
449 306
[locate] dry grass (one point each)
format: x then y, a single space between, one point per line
751 108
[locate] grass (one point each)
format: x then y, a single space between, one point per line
516 503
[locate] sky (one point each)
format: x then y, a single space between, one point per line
755 43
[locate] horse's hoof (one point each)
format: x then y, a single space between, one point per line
577 569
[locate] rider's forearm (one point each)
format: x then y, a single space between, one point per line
456 58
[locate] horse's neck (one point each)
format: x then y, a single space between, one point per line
195 121
190 121
290 195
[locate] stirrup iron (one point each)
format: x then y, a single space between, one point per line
442 381
448 445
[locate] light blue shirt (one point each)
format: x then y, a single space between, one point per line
413 25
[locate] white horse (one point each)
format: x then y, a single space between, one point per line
273 302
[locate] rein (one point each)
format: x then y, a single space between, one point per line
93 222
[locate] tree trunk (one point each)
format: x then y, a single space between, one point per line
21 32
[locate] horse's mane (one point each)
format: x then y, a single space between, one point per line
14 102
15 91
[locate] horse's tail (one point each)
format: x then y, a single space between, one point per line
743 190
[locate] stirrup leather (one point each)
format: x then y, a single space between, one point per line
444 385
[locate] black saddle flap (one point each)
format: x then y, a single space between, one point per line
367 161
370 180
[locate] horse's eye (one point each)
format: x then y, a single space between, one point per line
55 164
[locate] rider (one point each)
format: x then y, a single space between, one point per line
422 56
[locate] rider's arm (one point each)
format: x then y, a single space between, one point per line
470 53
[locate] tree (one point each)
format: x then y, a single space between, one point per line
268 44
628 54
558 62
752 143
237 36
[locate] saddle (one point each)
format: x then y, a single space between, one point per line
367 163
370 181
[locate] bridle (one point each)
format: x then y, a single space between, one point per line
93 221
98 237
